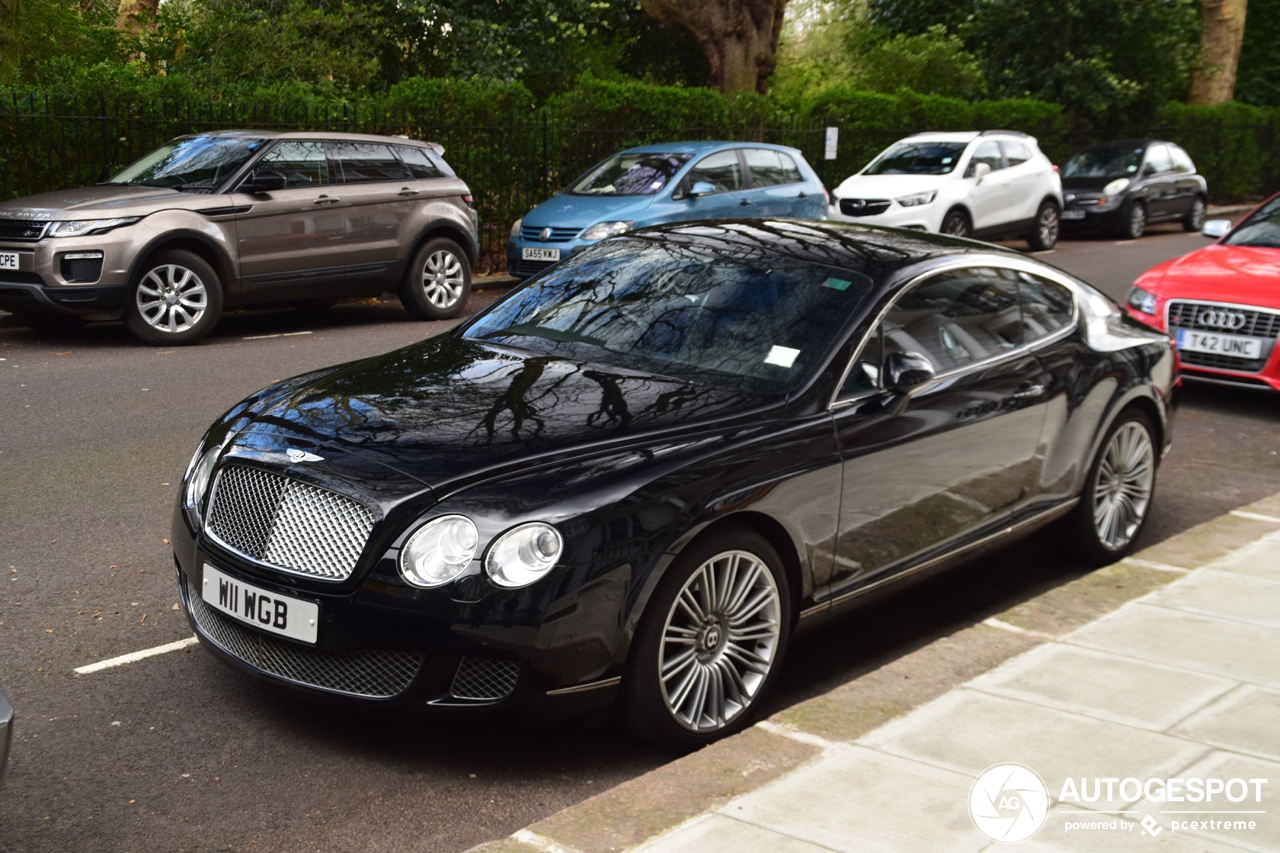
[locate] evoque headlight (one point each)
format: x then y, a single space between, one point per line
439 551
81 227
601 230
523 554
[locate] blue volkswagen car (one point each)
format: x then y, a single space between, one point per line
670 182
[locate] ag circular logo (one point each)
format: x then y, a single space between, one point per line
1008 803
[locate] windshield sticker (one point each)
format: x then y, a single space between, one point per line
782 356
837 284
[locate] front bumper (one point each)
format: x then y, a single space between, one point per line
521 268
1093 216
1265 379
458 649
920 217
50 279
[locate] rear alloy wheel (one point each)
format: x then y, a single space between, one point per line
1194 219
711 642
956 224
1044 234
176 300
438 281
1117 496
1135 221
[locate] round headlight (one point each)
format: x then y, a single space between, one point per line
439 551
1116 187
523 554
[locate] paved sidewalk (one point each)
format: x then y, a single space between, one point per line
1164 666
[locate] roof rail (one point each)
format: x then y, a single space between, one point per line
1008 132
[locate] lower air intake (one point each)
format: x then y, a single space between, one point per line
369 674
484 678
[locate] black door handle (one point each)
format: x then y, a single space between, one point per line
803 195
745 202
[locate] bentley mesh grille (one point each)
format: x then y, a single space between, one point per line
484 678
373 674
288 524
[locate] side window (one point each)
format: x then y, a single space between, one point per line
987 152
1157 160
1046 306
721 170
790 171
1015 152
957 318
365 162
1181 160
302 163
766 168
417 162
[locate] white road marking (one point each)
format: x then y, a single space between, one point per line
137 656
1256 516
796 735
543 843
1160 567
277 335
1005 626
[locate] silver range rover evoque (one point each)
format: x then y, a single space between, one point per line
218 220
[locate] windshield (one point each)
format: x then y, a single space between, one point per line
1104 163
917 158
630 174
197 164
1261 229
759 326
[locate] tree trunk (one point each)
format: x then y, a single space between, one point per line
131 13
739 37
10 30
1215 81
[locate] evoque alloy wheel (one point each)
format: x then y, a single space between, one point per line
176 299
438 281
711 643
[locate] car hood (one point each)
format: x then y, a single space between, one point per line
449 412
1244 274
583 211
888 186
101 203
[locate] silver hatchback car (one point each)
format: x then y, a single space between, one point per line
220 220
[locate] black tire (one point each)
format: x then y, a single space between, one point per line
1045 229
1194 220
312 308
438 281
645 703
176 299
53 324
1134 222
1080 530
956 224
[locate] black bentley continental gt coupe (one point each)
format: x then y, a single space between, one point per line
635 477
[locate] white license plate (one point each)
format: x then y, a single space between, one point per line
1073 214
539 254
9 261
1235 345
267 611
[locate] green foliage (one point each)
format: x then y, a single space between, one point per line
1232 144
59 39
931 63
1258 77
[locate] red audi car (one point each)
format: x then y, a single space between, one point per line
1222 303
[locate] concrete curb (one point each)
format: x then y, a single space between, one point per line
651 805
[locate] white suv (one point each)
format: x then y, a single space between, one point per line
992 184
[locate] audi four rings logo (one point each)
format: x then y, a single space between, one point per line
1228 320
545 235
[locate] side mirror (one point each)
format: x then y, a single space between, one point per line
981 170
701 188
907 372
1215 229
1148 170
263 181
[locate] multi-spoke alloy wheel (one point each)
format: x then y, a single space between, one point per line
1123 484
1045 235
719 641
172 299
176 299
438 282
443 279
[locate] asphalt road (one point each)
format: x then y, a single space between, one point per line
177 753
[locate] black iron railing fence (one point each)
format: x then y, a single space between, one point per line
512 161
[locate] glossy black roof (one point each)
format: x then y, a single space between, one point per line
873 250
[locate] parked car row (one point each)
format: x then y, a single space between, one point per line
219 220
